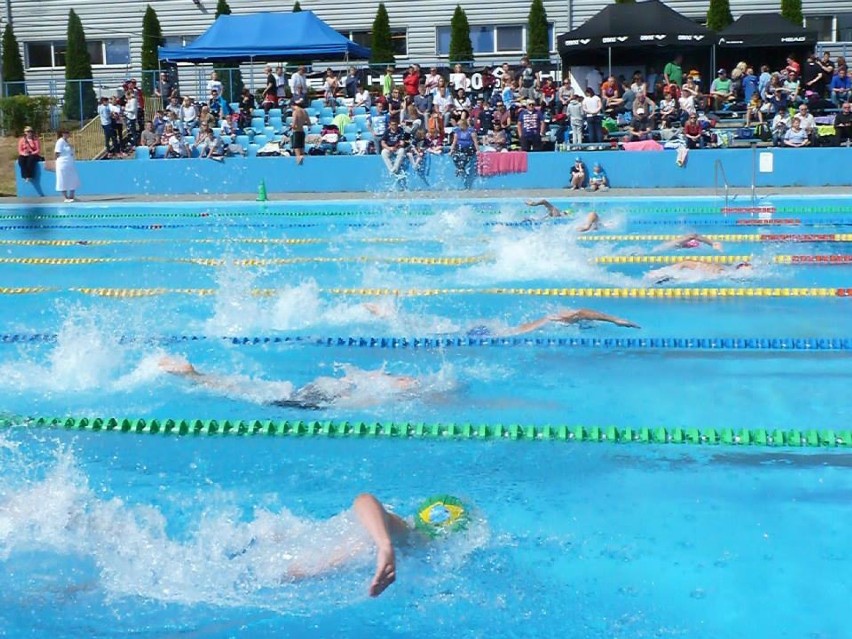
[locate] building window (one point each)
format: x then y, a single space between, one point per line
491 39
177 41
399 39
823 25
51 55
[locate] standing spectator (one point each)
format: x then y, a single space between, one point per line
271 83
672 72
812 76
115 110
792 66
387 81
246 109
531 127
488 84
299 85
764 81
280 84
463 149
393 146
575 118
149 138
827 67
330 87
459 80
564 95
213 84
29 153
67 180
411 81
843 125
749 85
592 107
651 82
131 118
431 81
840 87
594 79
350 84
297 139
105 116
395 104
164 87
527 79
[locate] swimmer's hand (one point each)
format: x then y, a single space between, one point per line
385 571
176 366
717 246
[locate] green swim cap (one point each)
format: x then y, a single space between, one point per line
441 514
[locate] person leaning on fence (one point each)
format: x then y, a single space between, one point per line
29 153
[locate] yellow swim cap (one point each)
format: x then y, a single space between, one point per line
441 514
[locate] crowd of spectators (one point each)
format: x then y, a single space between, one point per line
431 112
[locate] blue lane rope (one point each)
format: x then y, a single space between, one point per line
601 343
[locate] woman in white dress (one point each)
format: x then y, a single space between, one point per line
67 180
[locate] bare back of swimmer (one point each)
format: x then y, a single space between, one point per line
689 241
590 223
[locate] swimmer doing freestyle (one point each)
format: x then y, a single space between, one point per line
673 272
590 223
689 241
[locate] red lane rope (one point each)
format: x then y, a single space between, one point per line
788 221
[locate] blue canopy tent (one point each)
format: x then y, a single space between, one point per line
267 37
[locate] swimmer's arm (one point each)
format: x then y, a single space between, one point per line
590 223
552 211
186 370
382 527
585 314
528 327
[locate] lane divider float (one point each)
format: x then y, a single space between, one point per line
838 260
758 437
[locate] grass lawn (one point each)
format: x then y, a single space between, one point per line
8 158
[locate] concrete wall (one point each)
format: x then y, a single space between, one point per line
367 174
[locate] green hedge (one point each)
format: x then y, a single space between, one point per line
18 111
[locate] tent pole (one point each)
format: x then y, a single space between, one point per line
712 66
251 74
609 58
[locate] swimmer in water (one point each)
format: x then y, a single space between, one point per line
690 241
316 395
590 223
671 272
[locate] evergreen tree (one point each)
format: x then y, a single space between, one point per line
719 15
13 66
152 37
537 31
79 101
624 1
461 48
381 44
229 75
792 10
297 7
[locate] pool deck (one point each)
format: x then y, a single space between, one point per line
445 195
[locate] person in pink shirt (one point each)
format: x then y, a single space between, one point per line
29 153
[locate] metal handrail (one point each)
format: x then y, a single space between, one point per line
719 168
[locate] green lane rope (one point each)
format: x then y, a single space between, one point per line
827 438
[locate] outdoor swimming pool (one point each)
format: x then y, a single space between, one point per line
106 534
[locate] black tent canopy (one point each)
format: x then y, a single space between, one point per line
753 30
632 25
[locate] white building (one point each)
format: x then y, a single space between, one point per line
421 29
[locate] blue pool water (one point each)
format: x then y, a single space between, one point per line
103 534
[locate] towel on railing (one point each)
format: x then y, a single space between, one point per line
644 145
501 163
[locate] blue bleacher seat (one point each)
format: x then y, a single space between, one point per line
315 128
217 131
260 140
142 153
326 112
288 120
341 110
312 112
235 106
227 139
243 141
274 113
317 104
360 118
257 124
344 148
160 151
360 111
350 130
372 110
276 124
252 150
269 131
366 135
326 120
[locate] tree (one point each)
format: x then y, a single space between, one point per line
624 1
79 101
152 37
13 66
461 48
231 78
792 10
381 43
538 47
719 15
297 7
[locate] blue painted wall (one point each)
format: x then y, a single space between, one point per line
366 174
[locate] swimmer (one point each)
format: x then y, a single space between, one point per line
316 395
590 223
690 241
671 272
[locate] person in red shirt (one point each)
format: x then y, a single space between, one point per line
793 66
411 81
693 133
548 94
29 153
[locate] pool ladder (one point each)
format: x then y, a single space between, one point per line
717 169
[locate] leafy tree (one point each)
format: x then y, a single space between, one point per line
231 78
461 48
792 10
537 29
152 37
297 7
79 101
719 15
13 66
381 44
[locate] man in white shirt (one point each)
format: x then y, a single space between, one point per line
806 121
281 83
105 115
213 84
299 85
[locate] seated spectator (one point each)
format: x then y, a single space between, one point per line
269 101
489 81
807 122
792 88
754 110
149 138
205 117
796 136
693 133
443 101
720 90
436 128
188 116
464 148
461 107
174 105
176 147
778 101
638 84
502 115
611 96
669 112
531 127
159 123
29 153
548 95
481 118
393 148
737 75
423 102
416 152
411 120
841 87
687 104
363 98
395 104
217 105
213 149
638 130
843 125
496 140
598 180
780 125
578 174
643 112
